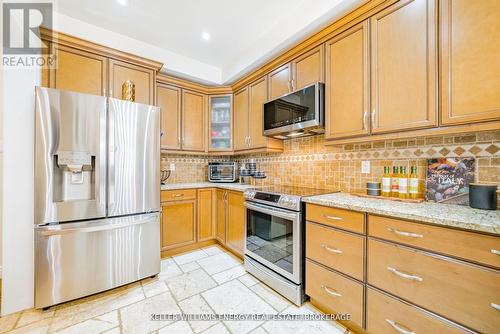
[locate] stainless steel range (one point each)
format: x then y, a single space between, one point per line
274 246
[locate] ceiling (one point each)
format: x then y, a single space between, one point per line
243 33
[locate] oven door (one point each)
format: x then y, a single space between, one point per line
273 238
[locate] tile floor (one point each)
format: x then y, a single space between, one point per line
205 281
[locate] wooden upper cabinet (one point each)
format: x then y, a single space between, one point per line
258 96
235 221
280 81
470 61
78 71
241 119
308 68
143 78
347 87
193 121
404 66
169 100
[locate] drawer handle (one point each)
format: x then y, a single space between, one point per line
405 234
178 195
495 306
332 217
399 328
331 291
403 275
332 250
494 251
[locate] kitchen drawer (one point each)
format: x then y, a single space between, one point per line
385 314
345 219
178 195
465 293
467 245
341 251
335 294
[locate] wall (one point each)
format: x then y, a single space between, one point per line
308 162
17 238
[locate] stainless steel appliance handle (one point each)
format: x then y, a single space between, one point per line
95 228
272 211
399 328
111 156
405 234
404 275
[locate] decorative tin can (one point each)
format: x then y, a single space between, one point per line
128 91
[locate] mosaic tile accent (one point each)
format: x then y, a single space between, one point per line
308 162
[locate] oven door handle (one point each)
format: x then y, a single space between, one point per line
273 211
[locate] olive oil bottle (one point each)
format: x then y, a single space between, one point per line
403 183
394 182
386 182
413 183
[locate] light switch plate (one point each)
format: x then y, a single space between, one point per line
172 167
365 167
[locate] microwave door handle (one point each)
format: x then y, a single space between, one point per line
273 212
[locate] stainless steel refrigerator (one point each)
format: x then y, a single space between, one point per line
97 194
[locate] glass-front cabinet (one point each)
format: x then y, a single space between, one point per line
220 123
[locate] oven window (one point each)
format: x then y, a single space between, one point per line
271 238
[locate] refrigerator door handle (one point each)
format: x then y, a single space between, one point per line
111 157
64 231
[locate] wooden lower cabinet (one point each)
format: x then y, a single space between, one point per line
462 292
178 226
230 220
220 216
235 237
386 314
206 214
335 294
336 249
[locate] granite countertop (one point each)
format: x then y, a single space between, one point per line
229 186
440 214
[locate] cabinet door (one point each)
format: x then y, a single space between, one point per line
79 71
241 119
257 96
404 66
347 86
143 79
470 58
308 68
169 100
178 224
235 221
221 213
206 214
220 123
193 121
279 81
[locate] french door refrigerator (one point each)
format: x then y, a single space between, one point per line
97 194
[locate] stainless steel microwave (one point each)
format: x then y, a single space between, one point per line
296 114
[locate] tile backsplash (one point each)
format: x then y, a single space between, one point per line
308 162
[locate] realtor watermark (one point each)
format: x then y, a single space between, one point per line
249 317
21 34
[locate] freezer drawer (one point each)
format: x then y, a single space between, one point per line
78 259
